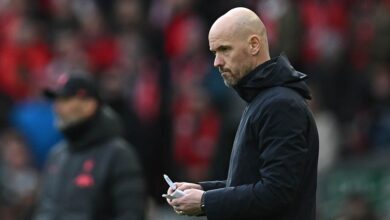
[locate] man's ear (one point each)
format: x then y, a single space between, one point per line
254 45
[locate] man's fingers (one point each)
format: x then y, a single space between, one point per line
177 184
174 202
180 212
185 186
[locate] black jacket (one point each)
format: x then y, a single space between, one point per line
95 175
273 165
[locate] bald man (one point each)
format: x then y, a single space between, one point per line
273 166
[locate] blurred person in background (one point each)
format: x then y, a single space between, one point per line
23 56
19 180
379 128
34 119
273 165
328 131
97 41
94 173
5 108
357 207
68 55
343 43
136 87
196 133
196 123
284 27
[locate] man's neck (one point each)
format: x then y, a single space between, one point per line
263 57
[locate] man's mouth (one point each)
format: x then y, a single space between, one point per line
223 72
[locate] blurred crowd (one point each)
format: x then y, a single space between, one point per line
151 61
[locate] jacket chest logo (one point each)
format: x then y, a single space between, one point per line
85 179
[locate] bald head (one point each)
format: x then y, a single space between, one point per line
240 22
240 32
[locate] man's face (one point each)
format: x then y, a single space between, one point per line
231 55
70 110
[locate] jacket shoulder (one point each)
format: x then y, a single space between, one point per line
122 152
278 95
58 149
118 145
117 142
278 100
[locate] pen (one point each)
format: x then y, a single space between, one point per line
170 183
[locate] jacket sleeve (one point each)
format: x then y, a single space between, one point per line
45 204
210 185
281 130
127 187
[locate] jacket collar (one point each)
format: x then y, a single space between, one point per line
94 130
272 73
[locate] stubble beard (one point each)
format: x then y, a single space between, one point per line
229 80
229 83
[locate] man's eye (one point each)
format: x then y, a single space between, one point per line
224 49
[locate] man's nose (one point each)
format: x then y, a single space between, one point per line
218 61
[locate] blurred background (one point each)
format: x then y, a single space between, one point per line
152 64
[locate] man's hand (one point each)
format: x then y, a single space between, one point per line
183 186
189 204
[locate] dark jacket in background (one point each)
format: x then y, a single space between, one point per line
95 175
273 166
